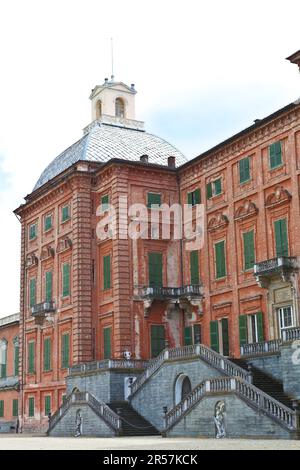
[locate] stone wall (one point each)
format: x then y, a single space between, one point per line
241 421
290 359
92 425
270 364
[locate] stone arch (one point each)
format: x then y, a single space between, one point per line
98 109
120 107
183 387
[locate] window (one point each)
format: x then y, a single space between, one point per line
275 155
194 197
33 231
153 200
120 108
65 351
104 203
155 269
1 408
3 358
31 357
106 272
98 109
16 356
219 336
15 407
251 328
66 280
32 292
286 318
249 252
107 343
281 238
47 354
192 335
214 188
220 259
65 213
31 407
244 167
194 267
49 286
47 402
158 342
48 222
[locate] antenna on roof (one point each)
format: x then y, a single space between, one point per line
112 59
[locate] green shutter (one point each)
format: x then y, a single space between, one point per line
275 154
225 336
197 196
218 186
209 191
220 259
65 353
104 203
243 329
197 334
107 343
47 405
260 326
281 238
48 222
66 280
106 272
244 166
15 407
31 407
214 336
190 199
65 213
1 408
16 359
194 267
32 231
249 252
155 269
32 293
188 339
47 354
158 342
49 286
153 199
31 357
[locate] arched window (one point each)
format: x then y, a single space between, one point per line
99 109
120 108
16 355
3 358
183 387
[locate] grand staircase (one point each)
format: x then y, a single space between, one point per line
266 383
133 424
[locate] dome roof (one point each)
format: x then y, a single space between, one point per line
104 142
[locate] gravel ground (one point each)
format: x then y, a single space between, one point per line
12 442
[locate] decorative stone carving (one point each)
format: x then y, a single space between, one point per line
279 196
248 209
217 222
31 260
64 244
147 307
47 252
219 419
78 424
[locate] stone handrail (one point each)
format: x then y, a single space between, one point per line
248 392
275 263
100 408
265 347
187 352
108 364
291 334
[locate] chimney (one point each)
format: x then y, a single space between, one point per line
171 162
144 158
132 86
105 81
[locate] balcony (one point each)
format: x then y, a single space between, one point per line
169 293
276 267
39 311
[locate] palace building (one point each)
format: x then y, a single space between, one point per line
117 322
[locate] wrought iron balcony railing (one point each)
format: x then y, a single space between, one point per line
42 308
155 292
274 265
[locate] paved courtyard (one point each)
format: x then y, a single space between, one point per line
12 442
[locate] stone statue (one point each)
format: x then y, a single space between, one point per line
78 423
219 420
127 355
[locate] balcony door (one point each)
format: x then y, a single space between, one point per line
286 318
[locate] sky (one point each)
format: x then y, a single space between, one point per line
203 71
